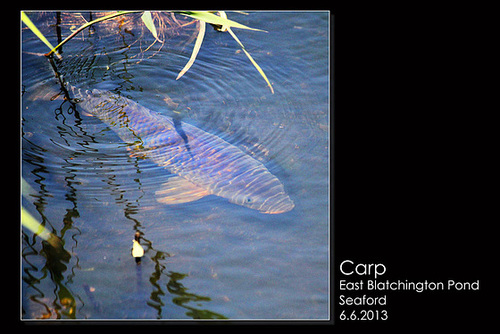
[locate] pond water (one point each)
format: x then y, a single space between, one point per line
206 259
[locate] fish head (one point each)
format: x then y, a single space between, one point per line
278 203
99 103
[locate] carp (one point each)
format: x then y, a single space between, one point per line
203 164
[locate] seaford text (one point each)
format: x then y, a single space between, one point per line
363 300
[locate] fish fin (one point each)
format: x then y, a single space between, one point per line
84 113
179 190
44 91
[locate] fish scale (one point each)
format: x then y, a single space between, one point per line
203 163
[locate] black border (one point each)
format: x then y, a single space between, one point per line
408 159
410 168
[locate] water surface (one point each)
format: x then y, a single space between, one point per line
204 259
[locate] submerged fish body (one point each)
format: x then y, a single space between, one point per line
203 163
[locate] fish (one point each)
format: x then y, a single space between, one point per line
201 163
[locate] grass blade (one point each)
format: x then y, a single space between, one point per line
37 32
34 226
148 22
251 59
214 19
197 46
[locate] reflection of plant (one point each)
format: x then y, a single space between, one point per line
184 297
56 258
30 222
220 23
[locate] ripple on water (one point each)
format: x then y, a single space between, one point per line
89 190
208 96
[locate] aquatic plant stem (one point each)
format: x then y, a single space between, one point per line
37 32
88 24
220 23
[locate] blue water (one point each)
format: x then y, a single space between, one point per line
204 259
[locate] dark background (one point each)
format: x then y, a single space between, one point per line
412 151
411 157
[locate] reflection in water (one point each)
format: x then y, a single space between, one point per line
43 264
56 259
185 297
55 267
67 302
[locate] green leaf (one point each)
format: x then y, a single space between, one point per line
197 46
251 59
34 226
214 19
148 22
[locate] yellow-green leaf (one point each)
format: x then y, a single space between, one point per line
197 46
148 22
251 59
35 30
34 226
